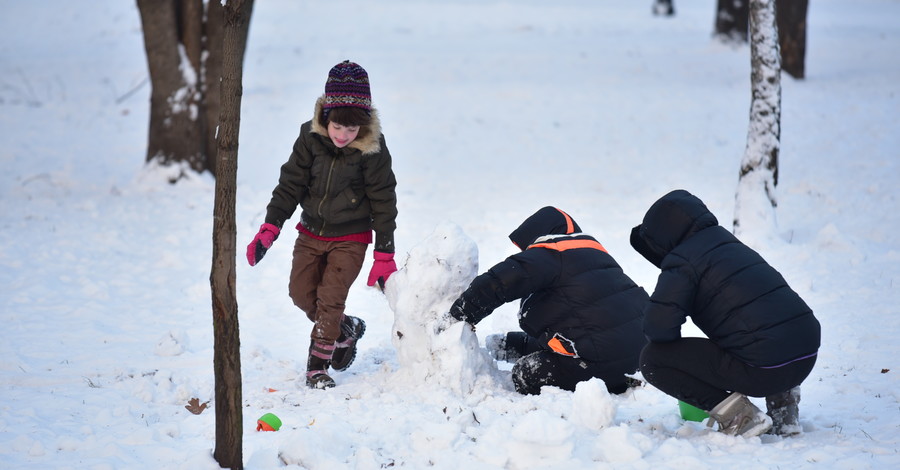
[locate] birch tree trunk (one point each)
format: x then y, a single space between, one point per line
732 21
756 200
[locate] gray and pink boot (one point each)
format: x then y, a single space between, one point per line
317 365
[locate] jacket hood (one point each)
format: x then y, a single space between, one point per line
670 221
546 221
368 142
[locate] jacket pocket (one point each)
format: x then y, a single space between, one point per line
345 206
351 199
560 345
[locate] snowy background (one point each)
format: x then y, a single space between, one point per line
491 109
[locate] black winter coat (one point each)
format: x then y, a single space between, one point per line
737 299
571 290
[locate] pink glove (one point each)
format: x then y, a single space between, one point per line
261 243
382 268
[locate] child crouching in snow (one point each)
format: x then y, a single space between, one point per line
340 174
762 337
580 313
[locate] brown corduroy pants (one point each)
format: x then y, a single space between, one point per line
321 275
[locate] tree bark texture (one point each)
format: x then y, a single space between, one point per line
791 17
175 132
663 8
183 41
212 75
732 20
759 166
227 359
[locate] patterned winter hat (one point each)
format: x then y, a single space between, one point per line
347 85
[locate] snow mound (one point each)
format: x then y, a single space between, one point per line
173 343
592 406
420 294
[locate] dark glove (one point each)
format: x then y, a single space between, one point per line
469 307
261 243
457 310
444 322
453 316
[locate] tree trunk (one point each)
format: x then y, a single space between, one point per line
755 200
226 354
175 132
189 22
184 56
732 19
212 74
663 8
791 16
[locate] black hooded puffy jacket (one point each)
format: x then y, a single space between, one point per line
571 289
737 299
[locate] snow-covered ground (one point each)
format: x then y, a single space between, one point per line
491 110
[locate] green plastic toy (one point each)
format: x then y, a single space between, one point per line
691 413
268 422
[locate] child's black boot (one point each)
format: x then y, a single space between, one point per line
784 409
352 329
317 365
507 347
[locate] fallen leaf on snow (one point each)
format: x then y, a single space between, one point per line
194 406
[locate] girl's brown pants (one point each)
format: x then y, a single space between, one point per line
321 275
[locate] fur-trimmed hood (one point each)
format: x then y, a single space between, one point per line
368 142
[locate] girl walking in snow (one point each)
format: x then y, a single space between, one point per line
762 337
580 313
340 175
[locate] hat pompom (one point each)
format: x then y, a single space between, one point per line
347 86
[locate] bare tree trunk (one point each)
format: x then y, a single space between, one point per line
175 132
227 354
791 17
732 19
212 75
663 7
189 22
755 200
184 55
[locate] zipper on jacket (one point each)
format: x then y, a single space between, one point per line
325 196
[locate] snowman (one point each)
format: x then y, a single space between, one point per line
431 346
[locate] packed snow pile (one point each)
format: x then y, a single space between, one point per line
430 346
